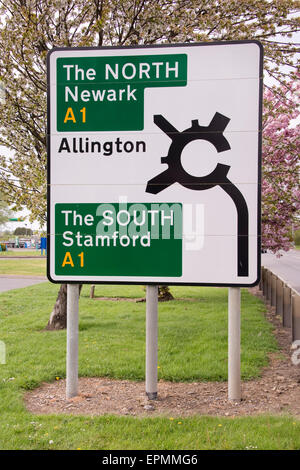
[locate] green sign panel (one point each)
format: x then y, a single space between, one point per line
107 93
118 239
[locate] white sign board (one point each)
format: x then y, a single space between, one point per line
154 164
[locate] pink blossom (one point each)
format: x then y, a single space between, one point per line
280 168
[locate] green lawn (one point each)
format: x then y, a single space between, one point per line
192 346
23 267
23 253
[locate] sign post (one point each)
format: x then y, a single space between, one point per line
72 340
234 339
154 158
151 341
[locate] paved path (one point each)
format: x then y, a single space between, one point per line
287 267
16 282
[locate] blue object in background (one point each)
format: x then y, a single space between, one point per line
43 245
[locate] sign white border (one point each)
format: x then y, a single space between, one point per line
145 280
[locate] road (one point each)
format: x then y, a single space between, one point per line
16 282
287 267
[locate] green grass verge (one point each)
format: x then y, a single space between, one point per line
23 267
23 253
192 346
192 335
114 433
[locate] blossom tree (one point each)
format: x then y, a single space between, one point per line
280 160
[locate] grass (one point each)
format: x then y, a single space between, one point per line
23 253
109 432
192 334
297 247
23 267
192 346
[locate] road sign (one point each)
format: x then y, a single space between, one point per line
154 164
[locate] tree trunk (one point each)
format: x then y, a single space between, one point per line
164 294
58 317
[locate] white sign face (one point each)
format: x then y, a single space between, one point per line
154 164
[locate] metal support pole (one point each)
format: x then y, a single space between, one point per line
72 340
151 341
234 339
